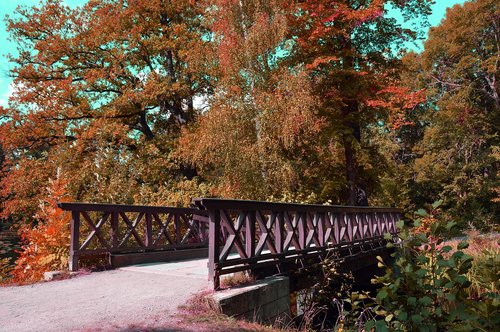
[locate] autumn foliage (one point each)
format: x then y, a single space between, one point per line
156 102
46 245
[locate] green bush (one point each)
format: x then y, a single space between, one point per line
428 288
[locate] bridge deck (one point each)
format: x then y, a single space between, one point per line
140 296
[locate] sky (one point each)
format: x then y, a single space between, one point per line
8 7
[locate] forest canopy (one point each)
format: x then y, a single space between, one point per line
156 102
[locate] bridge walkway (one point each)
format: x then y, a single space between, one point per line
139 297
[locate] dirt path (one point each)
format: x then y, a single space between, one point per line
133 298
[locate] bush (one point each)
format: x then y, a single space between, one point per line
45 245
428 288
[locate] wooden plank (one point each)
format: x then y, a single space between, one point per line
163 229
148 229
95 230
250 234
131 229
226 223
278 231
177 225
267 207
114 230
127 208
75 241
213 248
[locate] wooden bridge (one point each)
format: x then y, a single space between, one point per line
262 237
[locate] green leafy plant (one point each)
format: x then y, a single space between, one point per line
428 287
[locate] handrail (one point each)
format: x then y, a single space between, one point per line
245 235
113 228
236 204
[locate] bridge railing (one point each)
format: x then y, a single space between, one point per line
116 229
246 235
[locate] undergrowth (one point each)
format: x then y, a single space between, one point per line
45 246
433 284
201 313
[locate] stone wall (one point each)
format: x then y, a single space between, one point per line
265 301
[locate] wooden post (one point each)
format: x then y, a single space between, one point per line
114 230
320 226
75 241
349 225
177 223
250 234
149 231
301 225
278 231
214 247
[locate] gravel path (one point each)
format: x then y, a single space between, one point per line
130 298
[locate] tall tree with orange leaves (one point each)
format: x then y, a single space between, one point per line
351 49
101 93
328 72
257 137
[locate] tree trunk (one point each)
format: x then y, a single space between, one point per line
356 190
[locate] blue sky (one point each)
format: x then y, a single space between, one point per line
8 7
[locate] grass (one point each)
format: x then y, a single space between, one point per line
237 279
202 314
484 274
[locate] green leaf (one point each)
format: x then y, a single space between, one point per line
450 225
369 325
451 297
422 259
425 300
411 300
416 318
402 316
382 294
389 318
400 224
380 326
461 279
422 213
446 249
437 204
421 273
463 245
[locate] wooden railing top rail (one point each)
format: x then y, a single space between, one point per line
73 206
235 204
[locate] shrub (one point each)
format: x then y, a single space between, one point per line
428 288
45 245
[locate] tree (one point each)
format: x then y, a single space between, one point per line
351 49
102 92
456 156
345 54
255 139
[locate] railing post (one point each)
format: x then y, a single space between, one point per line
149 231
350 226
114 230
177 223
214 247
250 234
320 226
301 220
278 231
75 241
